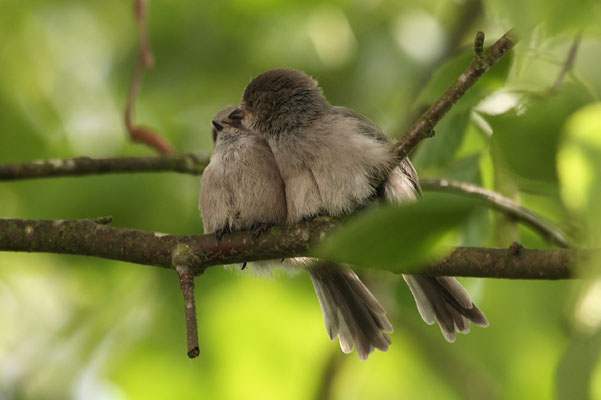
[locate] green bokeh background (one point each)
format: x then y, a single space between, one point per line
84 328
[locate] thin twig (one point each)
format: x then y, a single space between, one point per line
494 200
138 133
424 127
567 65
140 12
87 237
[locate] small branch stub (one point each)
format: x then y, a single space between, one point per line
182 259
479 44
515 248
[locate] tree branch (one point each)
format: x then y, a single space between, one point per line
483 60
184 163
419 131
194 164
90 238
93 238
503 204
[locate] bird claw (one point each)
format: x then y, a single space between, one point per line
220 232
312 217
259 229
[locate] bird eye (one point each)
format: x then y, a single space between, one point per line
236 115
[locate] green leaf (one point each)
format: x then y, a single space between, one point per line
440 150
528 141
397 237
465 169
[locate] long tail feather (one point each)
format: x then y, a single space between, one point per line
350 310
443 299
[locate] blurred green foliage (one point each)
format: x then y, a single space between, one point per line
375 238
75 327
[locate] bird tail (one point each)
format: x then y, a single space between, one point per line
350 310
443 299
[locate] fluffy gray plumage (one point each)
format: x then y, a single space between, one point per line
331 160
241 187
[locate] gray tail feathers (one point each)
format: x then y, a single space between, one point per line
443 299
349 309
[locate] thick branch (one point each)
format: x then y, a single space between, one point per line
483 60
185 163
494 200
92 238
503 263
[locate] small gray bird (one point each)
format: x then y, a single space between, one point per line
332 161
242 189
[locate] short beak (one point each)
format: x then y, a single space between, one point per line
218 125
237 114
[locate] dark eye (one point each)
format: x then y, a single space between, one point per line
236 115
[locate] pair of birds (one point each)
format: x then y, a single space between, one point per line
285 155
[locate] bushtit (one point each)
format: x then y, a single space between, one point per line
241 189
332 160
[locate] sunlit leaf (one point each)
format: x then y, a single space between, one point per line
528 141
579 165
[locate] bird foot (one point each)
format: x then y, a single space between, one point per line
259 229
221 231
